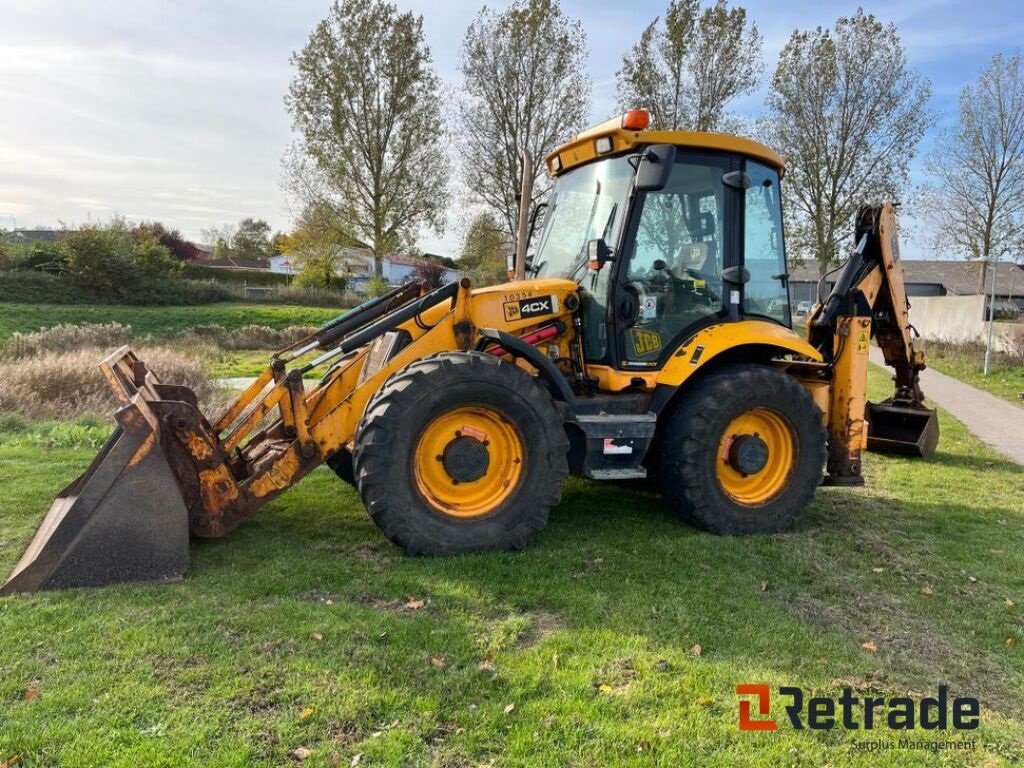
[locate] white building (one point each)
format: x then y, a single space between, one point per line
356 265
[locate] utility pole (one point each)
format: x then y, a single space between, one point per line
991 318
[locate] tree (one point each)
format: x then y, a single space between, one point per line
686 71
252 239
180 248
429 273
524 87
366 103
316 248
847 114
485 251
976 203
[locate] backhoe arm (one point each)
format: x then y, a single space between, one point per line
869 300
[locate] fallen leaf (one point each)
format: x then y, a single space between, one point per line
597 560
1011 641
878 569
927 591
704 566
972 579
705 701
317 636
1009 603
604 688
301 753
554 660
412 603
822 661
764 586
697 650
356 759
869 646
10 762
306 713
30 694
510 708
485 666
996 551
328 602
439 661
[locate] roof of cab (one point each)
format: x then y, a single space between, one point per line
584 147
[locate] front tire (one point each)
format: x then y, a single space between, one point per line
460 452
742 451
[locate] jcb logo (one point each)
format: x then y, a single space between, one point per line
645 342
763 708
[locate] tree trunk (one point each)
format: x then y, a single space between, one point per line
981 275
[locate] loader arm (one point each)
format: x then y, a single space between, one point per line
169 471
869 300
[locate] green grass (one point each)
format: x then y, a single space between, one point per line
295 631
158 321
1005 380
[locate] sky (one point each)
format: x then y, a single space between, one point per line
174 111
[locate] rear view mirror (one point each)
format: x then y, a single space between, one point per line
598 253
654 167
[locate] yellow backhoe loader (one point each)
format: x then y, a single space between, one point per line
650 335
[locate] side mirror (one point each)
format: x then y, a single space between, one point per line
655 166
598 253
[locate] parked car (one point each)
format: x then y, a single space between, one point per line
803 308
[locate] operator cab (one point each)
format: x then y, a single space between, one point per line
666 233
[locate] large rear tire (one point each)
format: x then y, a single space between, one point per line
460 452
742 451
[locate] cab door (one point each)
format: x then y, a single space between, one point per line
668 282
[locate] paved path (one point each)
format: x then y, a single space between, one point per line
996 422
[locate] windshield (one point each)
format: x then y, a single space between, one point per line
586 203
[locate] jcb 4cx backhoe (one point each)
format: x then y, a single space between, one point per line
649 336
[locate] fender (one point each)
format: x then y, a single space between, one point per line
705 345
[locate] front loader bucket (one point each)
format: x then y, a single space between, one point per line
123 520
913 431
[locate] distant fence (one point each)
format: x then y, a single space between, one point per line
960 319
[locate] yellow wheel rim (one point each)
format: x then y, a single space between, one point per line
771 433
468 461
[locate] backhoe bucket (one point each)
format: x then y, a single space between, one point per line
123 520
913 431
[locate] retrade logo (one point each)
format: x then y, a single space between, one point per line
747 723
823 713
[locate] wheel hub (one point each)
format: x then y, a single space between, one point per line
748 454
466 459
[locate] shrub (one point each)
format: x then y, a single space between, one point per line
65 385
234 276
247 337
40 256
100 259
154 258
376 286
65 338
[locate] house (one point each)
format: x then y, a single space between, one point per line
33 236
356 265
923 278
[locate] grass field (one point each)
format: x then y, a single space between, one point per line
158 321
1006 381
308 630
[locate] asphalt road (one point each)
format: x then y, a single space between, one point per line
996 422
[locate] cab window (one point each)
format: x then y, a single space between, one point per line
767 291
674 268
